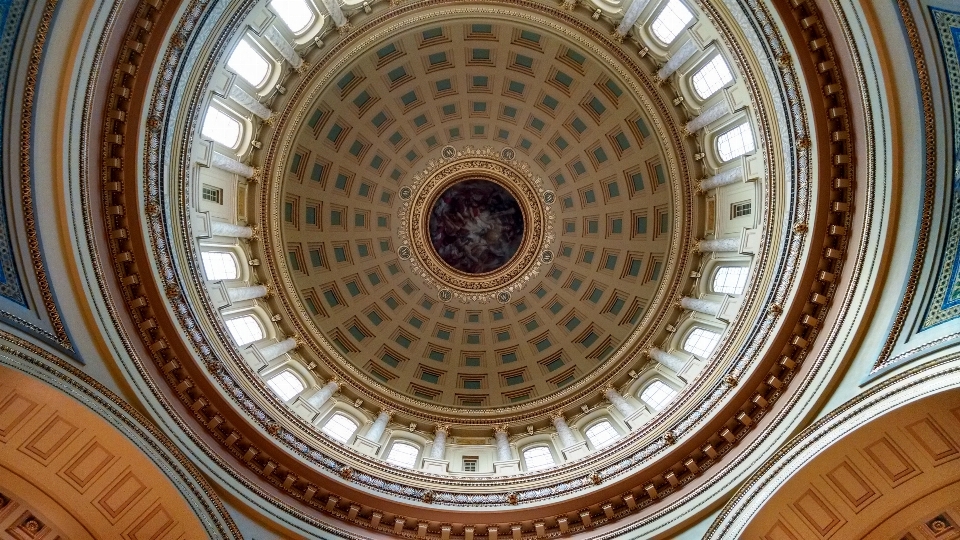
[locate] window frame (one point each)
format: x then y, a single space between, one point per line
701 352
286 373
246 316
532 447
335 437
219 276
712 86
261 53
662 402
656 18
399 443
743 275
743 127
225 113
596 424
300 32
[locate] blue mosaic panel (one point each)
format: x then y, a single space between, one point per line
11 15
945 304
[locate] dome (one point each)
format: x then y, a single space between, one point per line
455 269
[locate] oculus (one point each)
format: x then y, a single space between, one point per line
476 226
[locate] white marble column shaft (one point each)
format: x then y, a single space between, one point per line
725 178
631 16
684 53
335 11
220 228
283 47
667 360
711 114
718 245
563 430
229 164
618 401
707 307
378 427
250 103
503 445
274 350
252 292
439 443
323 394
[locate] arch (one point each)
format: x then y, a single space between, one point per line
657 394
701 341
297 15
672 19
538 457
340 427
221 127
286 384
220 265
249 63
245 329
403 454
735 142
730 279
602 434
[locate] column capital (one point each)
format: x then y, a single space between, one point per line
388 412
501 428
442 428
557 414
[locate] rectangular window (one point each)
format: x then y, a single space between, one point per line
471 463
737 209
212 194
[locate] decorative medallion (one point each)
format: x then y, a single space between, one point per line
475 225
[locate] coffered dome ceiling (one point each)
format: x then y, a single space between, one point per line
585 144
474 232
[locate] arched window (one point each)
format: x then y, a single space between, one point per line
730 279
710 78
701 342
537 457
673 18
221 127
340 427
219 265
296 14
286 385
602 434
403 454
735 142
248 63
245 329
657 394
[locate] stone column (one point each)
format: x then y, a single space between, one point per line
631 16
323 394
706 307
335 11
718 245
711 114
684 53
725 178
503 444
283 47
253 292
621 404
379 426
667 360
231 165
250 103
439 442
563 430
220 228
275 350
